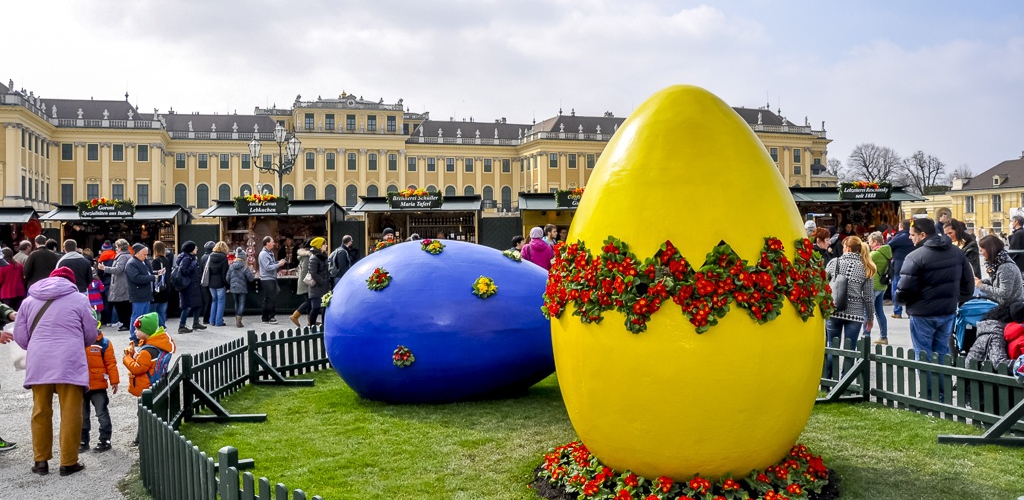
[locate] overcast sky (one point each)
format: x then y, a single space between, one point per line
944 77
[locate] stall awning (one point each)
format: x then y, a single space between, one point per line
831 195
296 208
472 203
16 215
540 201
142 212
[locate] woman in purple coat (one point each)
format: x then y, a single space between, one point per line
55 339
537 250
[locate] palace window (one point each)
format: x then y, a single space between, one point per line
92 152
392 124
553 160
468 165
142 152
246 162
468 190
92 191
309 192
392 162
117 191
411 163
224 192
431 164
67 152
371 123
997 204
180 195
118 152
968 204
179 160
204 161
225 161
449 165
67 194
796 170
590 161
202 196
309 121
142 194
774 152
506 165
796 155
351 195
351 162
350 123
330 192
310 160
371 160
488 166
330 161
329 121
572 161
268 160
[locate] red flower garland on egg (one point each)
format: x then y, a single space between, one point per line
617 280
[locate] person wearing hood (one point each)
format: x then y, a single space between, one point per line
204 282
302 288
77 262
239 276
54 326
148 362
218 262
321 277
189 293
117 293
880 255
537 250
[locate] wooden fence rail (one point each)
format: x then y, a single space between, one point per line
171 467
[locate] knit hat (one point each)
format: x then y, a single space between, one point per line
209 246
240 253
148 323
388 231
810 225
138 247
64 272
107 245
188 247
537 233
317 242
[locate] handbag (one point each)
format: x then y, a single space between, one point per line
205 280
839 285
308 279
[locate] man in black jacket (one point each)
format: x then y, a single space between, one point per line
40 263
901 246
1017 241
934 279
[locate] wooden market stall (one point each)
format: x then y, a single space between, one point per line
18 224
141 224
541 209
865 209
429 216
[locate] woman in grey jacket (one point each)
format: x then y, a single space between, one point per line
1004 281
239 276
855 263
117 295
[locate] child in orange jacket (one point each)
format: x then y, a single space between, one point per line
151 359
102 368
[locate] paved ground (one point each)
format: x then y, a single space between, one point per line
103 470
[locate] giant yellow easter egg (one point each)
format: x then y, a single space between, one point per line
661 398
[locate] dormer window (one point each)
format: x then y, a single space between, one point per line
998 179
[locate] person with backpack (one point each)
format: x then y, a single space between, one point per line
150 361
901 246
881 255
186 277
54 325
340 260
102 369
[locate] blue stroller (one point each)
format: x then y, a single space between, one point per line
968 314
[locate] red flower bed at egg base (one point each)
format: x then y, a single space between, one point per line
570 472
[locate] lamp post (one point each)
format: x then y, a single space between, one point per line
288 147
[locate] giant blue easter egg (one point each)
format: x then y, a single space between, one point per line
464 347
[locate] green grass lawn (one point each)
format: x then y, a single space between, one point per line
327 441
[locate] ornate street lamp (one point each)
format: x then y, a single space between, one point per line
288 148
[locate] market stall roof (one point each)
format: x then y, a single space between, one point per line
142 212
831 195
540 201
16 215
296 208
470 203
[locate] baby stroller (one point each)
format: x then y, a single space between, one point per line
967 317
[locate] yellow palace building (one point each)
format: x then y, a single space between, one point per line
57 151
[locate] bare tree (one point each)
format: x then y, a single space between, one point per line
962 172
923 171
871 162
834 166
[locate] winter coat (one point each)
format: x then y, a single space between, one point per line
56 347
139 279
141 366
102 364
268 266
1017 243
538 252
81 266
218 270
901 246
990 344
107 259
934 278
880 257
860 296
12 283
304 255
1013 334
118 289
1004 285
318 269
192 294
973 254
340 258
353 255
40 263
162 295
239 276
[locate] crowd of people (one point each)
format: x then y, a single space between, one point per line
59 302
931 268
